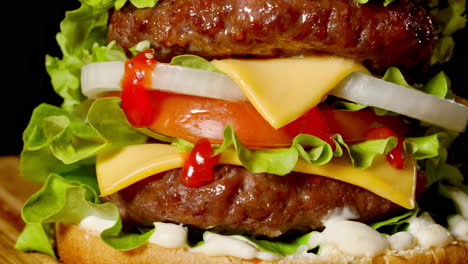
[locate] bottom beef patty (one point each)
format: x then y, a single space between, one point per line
241 201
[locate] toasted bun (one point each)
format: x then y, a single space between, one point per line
80 246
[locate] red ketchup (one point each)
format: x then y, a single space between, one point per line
136 99
395 157
198 167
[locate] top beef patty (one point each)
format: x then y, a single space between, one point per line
400 34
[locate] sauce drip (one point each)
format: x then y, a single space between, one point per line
198 167
136 99
395 157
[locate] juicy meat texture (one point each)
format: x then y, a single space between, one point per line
241 201
400 34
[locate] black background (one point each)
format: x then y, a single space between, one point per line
29 34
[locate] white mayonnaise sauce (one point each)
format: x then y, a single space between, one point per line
461 199
169 235
349 237
428 233
353 238
96 223
458 227
339 214
314 241
458 224
219 245
402 241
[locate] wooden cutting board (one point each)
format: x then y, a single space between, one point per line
14 191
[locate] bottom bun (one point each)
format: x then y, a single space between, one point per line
78 245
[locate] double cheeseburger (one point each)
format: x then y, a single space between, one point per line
276 131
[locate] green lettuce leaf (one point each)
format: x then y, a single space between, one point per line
120 240
395 221
83 39
385 2
281 161
362 154
65 201
314 150
442 172
56 141
79 31
452 17
394 75
138 3
36 237
281 248
278 161
110 52
345 105
425 147
155 135
448 19
193 61
432 150
99 4
443 50
439 85
140 47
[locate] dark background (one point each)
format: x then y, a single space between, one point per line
29 34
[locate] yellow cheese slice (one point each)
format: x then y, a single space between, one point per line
119 169
284 89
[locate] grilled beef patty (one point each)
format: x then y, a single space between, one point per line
241 201
400 34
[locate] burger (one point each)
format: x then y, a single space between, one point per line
250 132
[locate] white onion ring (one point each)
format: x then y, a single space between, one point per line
371 91
102 77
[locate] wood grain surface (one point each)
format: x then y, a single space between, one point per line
14 191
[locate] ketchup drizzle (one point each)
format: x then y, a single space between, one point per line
198 167
136 99
395 157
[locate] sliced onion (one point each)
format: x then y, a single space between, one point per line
371 91
102 77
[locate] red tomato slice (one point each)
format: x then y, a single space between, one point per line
193 118
353 125
313 123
